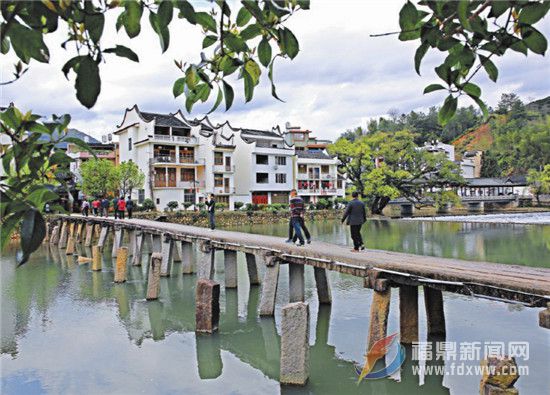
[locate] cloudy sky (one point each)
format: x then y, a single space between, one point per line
339 80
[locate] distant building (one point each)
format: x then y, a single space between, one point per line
470 165
439 147
495 186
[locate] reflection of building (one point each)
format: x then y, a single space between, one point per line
316 173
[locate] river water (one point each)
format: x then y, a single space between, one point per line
66 329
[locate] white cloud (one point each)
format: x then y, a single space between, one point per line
340 78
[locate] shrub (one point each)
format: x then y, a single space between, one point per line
186 205
172 205
222 206
148 205
340 201
238 205
251 207
201 206
311 206
323 204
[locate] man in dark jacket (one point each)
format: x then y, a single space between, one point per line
105 207
115 206
211 204
356 215
297 209
129 207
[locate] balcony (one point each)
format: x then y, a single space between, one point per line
319 191
183 160
223 168
224 190
179 184
188 140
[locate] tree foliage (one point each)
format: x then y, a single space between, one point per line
99 177
239 41
539 181
130 177
32 168
471 34
386 165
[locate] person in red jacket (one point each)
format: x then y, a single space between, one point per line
121 207
95 206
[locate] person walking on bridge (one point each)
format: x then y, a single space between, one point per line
356 215
129 207
211 204
296 213
104 207
115 206
121 207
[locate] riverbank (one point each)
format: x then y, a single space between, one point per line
236 218
533 218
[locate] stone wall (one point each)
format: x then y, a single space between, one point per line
235 218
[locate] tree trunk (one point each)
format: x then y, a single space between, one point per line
379 203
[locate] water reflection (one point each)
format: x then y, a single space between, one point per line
59 317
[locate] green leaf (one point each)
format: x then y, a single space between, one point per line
482 106
289 42
218 101
419 55
248 87
179 86
228 65
202 92
234 43
533 12
5 46
250 32
264 52
191 77
94 24
304 4
132 18
243 17
472 89
228 94
186 11
41 196
534 40
88 82
408 16
270 75
33 231
123 52
447 111
208 41
433 87
71 65
498 8
27 43
8 225
165 12
462 10
253 70
161 30
489 67
206 21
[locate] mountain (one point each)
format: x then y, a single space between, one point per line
72 133
541 106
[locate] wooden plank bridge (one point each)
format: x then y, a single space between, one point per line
380 270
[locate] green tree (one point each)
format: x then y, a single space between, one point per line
539 181
489 165
130 177
383 166
99 177
30 167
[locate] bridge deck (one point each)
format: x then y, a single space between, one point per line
525 284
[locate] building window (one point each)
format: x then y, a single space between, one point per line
302 169
262 178
222 199
262 160
324 169
189 196
163 130
187 174
280 160
141 196
280 178
218 158
182 132
129 143
158 201
218 180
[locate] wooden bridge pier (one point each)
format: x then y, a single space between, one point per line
166 250
187 262
138 248
205 268
117 240
230 268
252 269
104 233
64 234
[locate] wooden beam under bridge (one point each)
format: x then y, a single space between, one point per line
505 282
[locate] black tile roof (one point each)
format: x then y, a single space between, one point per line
312 154
163 119
262 133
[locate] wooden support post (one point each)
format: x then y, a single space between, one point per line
544 318
408 314
89 234
103 236
70 246
55 235
206 261
132 235
117 241
166 255
230 265
207 306
96 231
176 251
136 257
64 235
296 287
187 263
435 314
120 269
379 312
323 286
156 241
96 258
252 268
269 286
153 281
79 232
295 344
